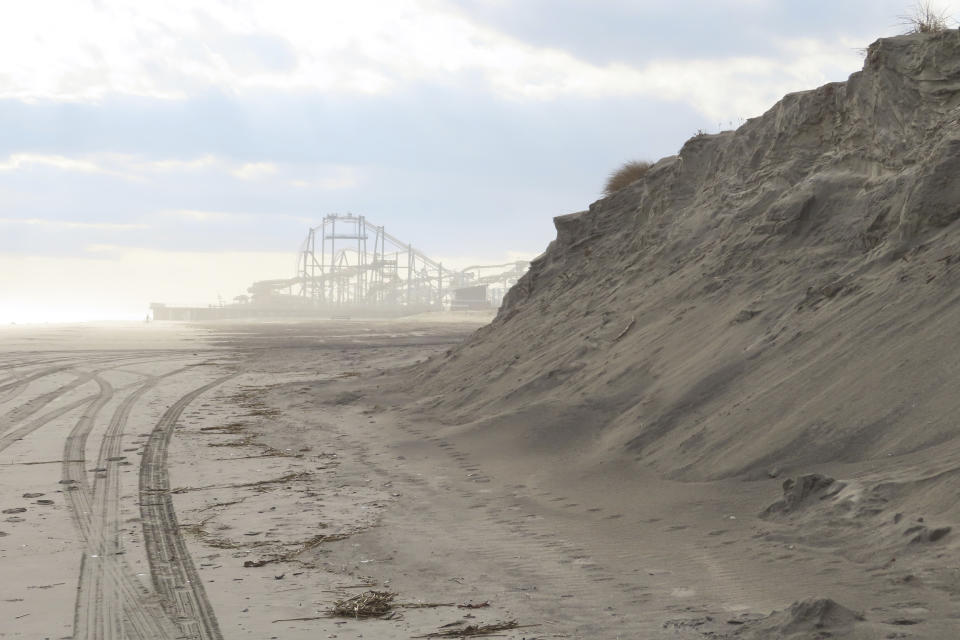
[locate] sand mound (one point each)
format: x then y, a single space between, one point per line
802 491
813 618
776 296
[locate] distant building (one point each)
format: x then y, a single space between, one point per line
470 298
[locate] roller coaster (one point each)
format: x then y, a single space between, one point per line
349 264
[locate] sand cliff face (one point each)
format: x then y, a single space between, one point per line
778 296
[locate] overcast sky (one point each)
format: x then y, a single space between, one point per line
178 150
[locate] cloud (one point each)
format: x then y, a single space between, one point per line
449 169
128 166
744 87
329 179
63 225
254 170
199 163
22 161
201 216
196 215
138 167
112 164
181 49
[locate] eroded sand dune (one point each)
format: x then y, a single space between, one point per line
772 301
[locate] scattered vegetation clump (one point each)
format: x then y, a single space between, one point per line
458 630
925 17
626 175
370 604
290 556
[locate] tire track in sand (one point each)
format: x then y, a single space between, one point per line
22 381
22 364
22 412
77 487
10 390
109 596
172 571
9 438
14 386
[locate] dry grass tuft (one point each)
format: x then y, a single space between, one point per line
625 175
369 604
925 17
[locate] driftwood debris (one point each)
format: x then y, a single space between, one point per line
313 542
626 329
369 604
458 631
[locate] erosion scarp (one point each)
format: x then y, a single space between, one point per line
777 301
772 297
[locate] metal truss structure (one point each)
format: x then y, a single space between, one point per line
497 278
347 261
349 264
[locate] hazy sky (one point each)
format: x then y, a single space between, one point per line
178 150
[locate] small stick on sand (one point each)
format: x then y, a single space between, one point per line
627 328
300 619
17 464
476 630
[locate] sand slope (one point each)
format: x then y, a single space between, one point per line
777 295
772 301
241 486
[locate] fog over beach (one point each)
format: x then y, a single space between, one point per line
178 152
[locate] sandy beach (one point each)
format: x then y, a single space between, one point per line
235 481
